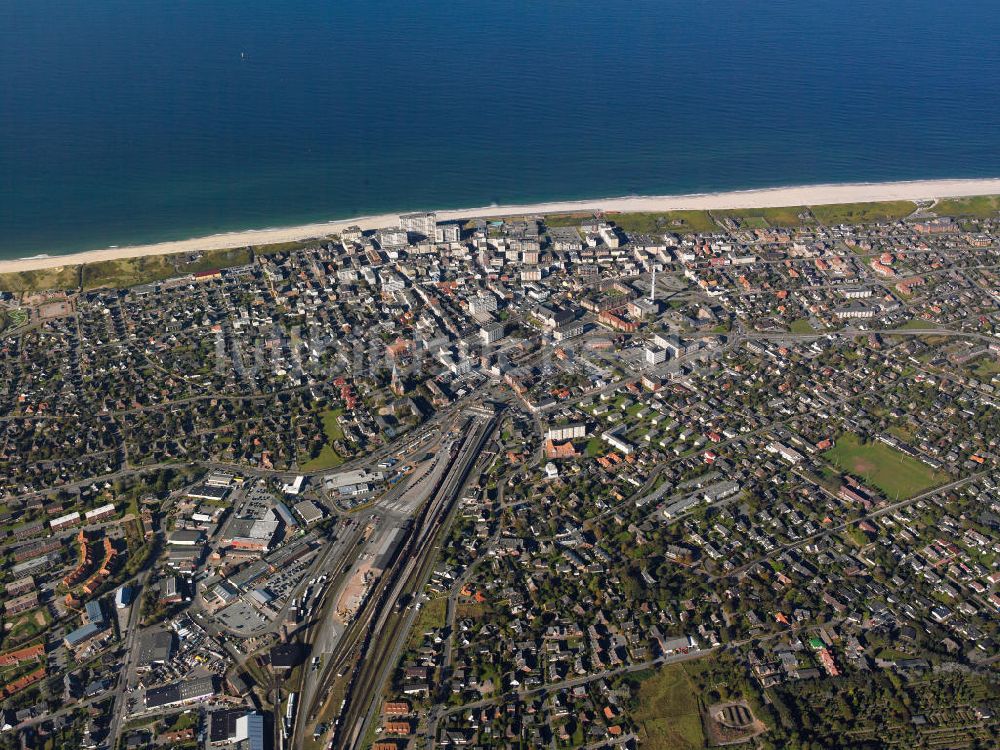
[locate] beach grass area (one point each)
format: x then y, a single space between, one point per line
126 272
122 272
976 207
41 280
224 258
560 220
863 213
275 248
893 472
682 222
669 716
759 218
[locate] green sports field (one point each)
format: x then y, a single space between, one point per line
879 465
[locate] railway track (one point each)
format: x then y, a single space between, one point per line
366 647
381 649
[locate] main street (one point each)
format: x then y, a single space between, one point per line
119 712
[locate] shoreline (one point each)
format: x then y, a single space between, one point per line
736 199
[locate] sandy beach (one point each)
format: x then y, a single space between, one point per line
771 197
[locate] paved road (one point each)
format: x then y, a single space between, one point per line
118 712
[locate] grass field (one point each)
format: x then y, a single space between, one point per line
471 610
987 367
979 207
28 625
432 615
787 216
126 272
328 458
668 716
44 279
237 256
683 222
566 220
903 432
331 425
893 472
801 325
863 213
17 317
288 247
754 222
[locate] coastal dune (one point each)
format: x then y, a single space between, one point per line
762 198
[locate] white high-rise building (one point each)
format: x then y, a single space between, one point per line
483 303
655 355
389 237
423 224
448 233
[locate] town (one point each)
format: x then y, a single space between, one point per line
583 480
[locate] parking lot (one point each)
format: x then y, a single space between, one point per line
282 583
242 618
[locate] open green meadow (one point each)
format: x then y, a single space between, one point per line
123 272
555 220
126 272
432 616
801 325
977 207
328 458
987 367
669 716
893 472
758 218
41 280
288 247
331 425
863 213
682 222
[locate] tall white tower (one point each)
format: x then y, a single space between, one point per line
652 287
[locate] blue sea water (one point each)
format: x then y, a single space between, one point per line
126 121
